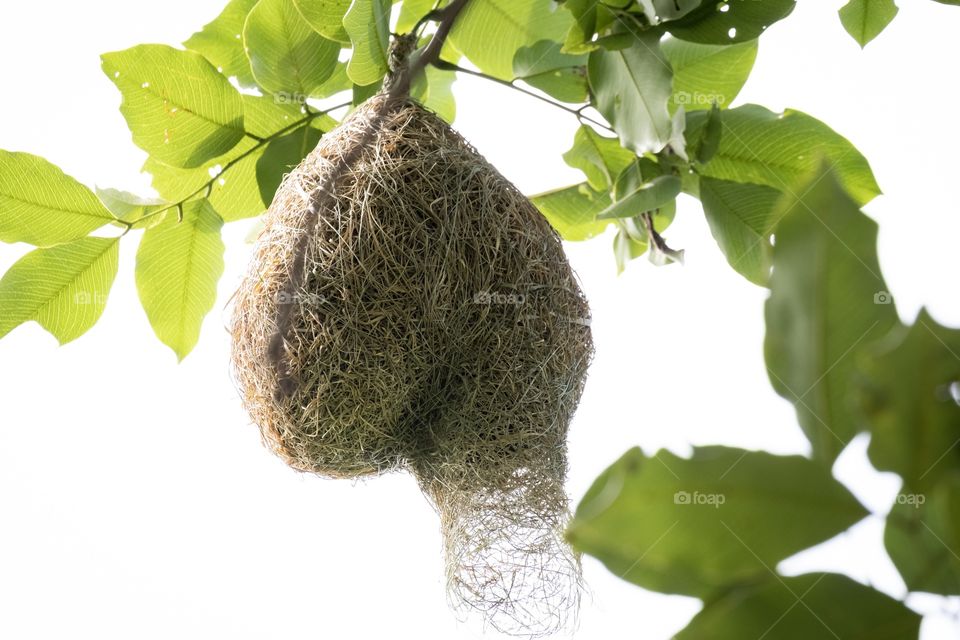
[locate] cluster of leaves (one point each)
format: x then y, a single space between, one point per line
650 82
222 120
714 526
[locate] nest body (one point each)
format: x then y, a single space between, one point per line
438 328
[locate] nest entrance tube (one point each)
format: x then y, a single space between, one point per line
435 327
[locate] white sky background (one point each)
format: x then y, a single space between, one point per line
136 500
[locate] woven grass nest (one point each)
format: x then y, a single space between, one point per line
429 322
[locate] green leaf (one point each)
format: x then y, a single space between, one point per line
566 85
741 218
490 32
922 537
434 90
664 10
64 288
813 605
326 17
362 93
138 212
178 266
600 158
914 421
368 24
776 150
693 526
178 107
545 67
864 20
631 88
285 53
627 247
572 211
264 116
411 11
542 56
221 42
43 206
706 141
281 157
647 197
704 74
234 190
585 22
826 304
726 22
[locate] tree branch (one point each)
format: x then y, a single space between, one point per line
430 53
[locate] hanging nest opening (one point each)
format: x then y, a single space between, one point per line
428 321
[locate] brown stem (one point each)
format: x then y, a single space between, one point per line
430 53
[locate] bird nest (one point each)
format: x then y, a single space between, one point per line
407 308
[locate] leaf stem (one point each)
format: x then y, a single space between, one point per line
578 113
208 185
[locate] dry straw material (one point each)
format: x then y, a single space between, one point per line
432 324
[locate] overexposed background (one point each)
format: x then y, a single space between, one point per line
136 500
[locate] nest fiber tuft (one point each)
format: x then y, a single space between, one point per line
436 327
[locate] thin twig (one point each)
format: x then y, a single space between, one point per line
578 113
207 186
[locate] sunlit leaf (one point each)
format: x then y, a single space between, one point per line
572 211
136 211
864 20
178 266
705 74
285 53
490 32
543 65
43 206
600 158
178 107
63 288
368 24
326 17
221 41
434 90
